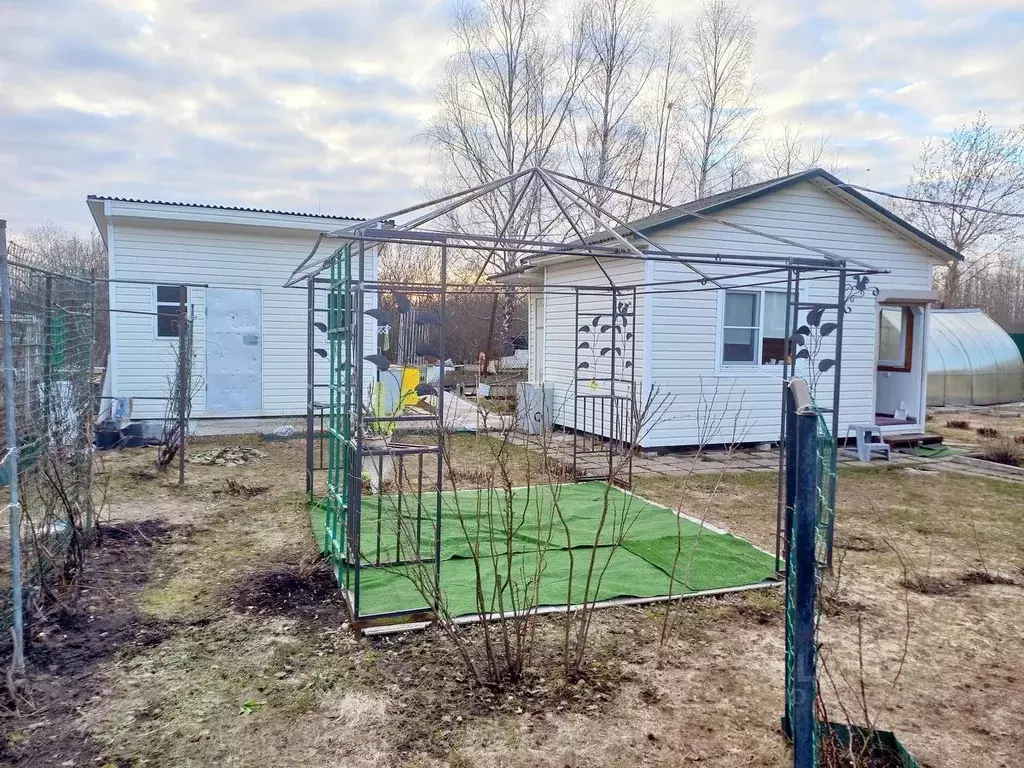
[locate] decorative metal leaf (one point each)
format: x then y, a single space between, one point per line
320 327
629 364
803 330
605 351
582 365
378 360
321 352
584 345
798 339
814 316
584 329
618 350
379 315
803 354
597 319
828 328
425 349
826 365
629 336
605 328
404 305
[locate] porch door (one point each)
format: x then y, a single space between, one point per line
234 350
899 382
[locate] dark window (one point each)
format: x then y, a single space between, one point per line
739 334
168 301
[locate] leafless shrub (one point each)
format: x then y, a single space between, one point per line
711 418
982 576
850 687
988 432
958 424
1004 450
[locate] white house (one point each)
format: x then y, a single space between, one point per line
714 353
249 333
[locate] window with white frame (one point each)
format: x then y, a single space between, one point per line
168 303
753 327
895 338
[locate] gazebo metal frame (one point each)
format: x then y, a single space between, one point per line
585 221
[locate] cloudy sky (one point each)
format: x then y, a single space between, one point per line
319 104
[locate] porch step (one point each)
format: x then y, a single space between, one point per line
912 439
904 440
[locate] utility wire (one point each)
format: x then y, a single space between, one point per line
926 201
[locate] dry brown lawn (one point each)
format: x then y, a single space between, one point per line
1007 421
227 676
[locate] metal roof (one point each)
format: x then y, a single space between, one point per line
222 207
722 200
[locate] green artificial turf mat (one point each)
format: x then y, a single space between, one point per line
470 519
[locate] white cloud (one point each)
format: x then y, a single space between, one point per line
319 103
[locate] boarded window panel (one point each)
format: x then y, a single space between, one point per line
774 315
773 335
740 309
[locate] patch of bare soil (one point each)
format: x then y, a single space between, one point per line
926 584
306 590
69 644
857 543
978 576
422 667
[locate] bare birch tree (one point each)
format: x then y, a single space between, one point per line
792 152
976 167
608 138
502 107
721 116
669 80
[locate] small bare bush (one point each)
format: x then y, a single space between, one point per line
988 431
958 424
1004 450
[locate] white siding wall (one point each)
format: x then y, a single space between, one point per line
680 358
684 348
227 256
560 325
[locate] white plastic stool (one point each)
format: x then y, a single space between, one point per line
866 442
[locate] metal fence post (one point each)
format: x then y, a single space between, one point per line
310 389
803 578
183 382
14 517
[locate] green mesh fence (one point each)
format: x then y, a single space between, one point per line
51 324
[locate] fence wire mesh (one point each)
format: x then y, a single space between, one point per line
52 324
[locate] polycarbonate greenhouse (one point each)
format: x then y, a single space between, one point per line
971 360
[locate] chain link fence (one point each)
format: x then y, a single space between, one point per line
47 388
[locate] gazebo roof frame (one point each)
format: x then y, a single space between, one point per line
609 237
